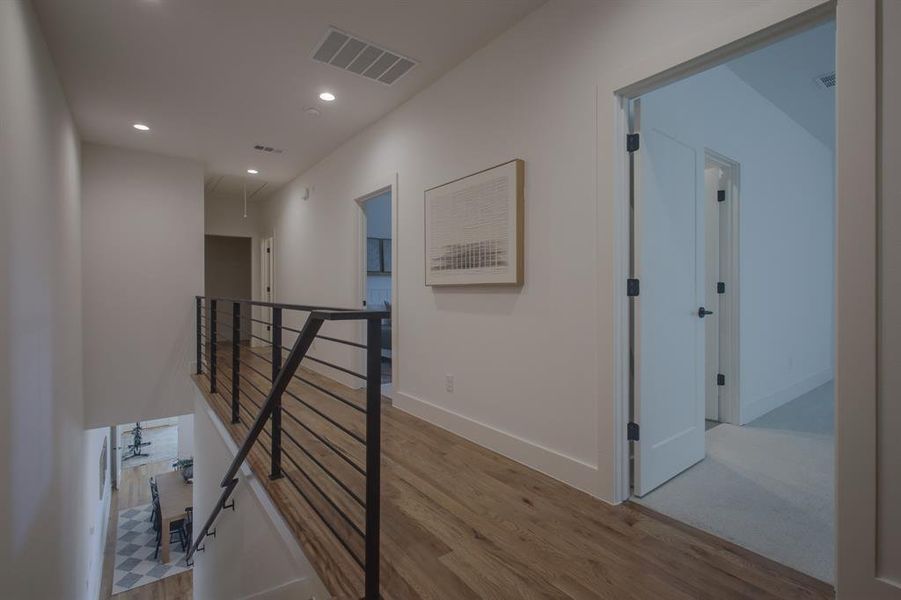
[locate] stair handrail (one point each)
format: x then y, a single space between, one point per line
306 335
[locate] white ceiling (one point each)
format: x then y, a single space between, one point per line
784 74
212 78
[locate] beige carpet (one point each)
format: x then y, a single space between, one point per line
767 486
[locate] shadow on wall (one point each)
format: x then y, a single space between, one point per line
478 299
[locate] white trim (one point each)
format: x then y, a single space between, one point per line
386 184
858 196
569 470
755 30
301 588
621 238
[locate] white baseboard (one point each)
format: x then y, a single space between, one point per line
299 589
567 469
759 407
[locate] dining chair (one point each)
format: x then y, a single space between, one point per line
175 528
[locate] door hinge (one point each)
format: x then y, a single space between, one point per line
720 287
268 250
720 379
632 432
268 289
632 287
721 195
632 142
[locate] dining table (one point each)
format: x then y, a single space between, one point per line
176 497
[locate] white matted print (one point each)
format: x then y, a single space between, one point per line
474 228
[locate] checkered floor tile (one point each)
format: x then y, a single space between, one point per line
135 544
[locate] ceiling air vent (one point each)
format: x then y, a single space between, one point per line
826 80
350 53
268 149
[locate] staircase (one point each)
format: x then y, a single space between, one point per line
318 440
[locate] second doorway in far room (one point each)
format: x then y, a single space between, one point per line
378 267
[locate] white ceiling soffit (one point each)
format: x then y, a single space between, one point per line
234 186
791 73
214 78
347 52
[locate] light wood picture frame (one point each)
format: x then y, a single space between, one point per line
474 228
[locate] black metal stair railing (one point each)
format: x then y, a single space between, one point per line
283 371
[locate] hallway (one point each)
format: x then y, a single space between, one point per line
460 521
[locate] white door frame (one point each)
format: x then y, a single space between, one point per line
261 312
862 305
728 304
380 186
731 48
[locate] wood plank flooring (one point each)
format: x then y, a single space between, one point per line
134 490
462 522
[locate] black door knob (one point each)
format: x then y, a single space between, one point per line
703 312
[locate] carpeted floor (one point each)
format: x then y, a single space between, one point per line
767 486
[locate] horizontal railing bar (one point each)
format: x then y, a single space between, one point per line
310 407
324 520
260 356
331 393
328 498
327 443
327 418
259 321
334 477
347 313
253 335
301 345
340 341
334 366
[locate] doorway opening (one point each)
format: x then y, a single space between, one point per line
228 268
721 268
378 267
732 323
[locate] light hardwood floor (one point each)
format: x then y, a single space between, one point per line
462 522
134 490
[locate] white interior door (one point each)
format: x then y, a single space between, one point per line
669 369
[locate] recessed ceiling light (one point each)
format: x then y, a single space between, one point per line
141 127
252 171
327 96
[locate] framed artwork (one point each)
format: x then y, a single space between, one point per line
103 462
474 228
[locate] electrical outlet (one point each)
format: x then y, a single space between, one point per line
449 383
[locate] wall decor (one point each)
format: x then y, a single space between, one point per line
103 462
474 228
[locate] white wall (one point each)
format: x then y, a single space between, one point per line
95 513
143 227
533 367
254 553
186 436
888 565
52 516
787 229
